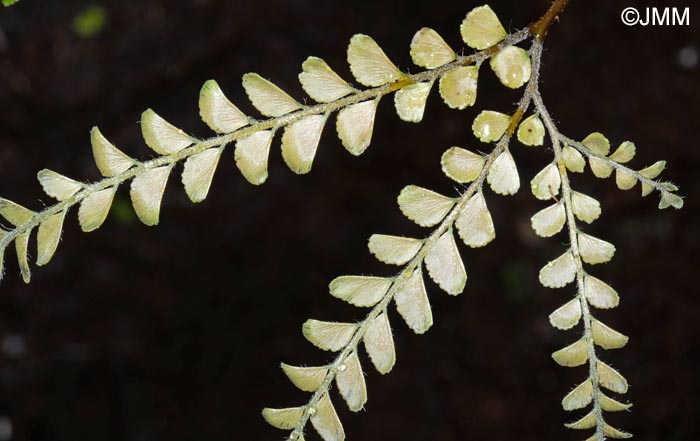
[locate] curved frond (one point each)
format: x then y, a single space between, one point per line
302 129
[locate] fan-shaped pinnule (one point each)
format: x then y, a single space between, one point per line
489 126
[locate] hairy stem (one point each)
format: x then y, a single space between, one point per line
586 151
586 314
539 28
404 274
268 124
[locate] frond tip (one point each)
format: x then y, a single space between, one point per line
597 147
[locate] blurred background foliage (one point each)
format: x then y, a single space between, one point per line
176 332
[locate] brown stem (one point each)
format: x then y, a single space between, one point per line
539 28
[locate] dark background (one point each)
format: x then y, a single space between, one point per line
176 332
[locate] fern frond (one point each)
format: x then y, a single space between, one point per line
437 252
591 291
302 126
596 148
